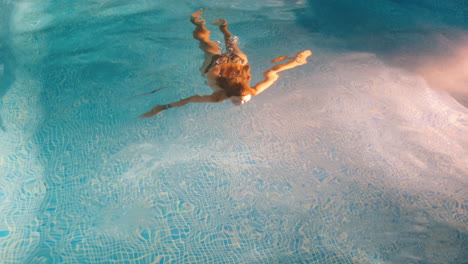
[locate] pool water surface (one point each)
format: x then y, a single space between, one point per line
359 156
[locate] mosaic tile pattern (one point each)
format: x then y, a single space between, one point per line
345 160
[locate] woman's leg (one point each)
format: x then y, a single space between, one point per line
203 35
231 41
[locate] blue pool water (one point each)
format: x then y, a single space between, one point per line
360 156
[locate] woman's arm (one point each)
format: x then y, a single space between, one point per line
215 97
271 76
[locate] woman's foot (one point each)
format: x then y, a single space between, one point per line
220 22
196 18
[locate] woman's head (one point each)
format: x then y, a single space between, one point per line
234 79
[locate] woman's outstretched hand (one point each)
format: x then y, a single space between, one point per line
154 111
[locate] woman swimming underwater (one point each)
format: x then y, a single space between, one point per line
228 73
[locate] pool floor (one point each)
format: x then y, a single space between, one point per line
359 156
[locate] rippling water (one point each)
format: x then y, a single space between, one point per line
360 156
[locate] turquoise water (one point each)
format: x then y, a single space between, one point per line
360 156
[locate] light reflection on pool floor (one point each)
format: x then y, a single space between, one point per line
352 158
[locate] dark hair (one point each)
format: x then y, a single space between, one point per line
234 79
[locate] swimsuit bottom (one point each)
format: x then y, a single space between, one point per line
224 58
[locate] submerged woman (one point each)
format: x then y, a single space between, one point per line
228 73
